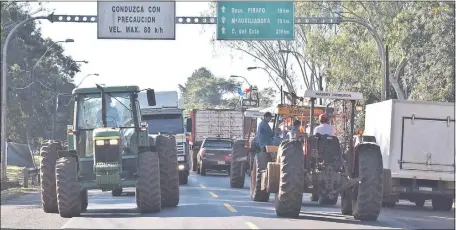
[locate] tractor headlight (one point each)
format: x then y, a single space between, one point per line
99 142
113 142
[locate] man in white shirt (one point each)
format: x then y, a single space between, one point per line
324 127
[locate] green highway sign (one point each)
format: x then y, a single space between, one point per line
255 20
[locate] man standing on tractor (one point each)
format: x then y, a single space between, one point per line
324 127
265 133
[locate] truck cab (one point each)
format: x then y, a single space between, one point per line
167 117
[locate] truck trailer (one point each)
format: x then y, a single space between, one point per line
417 144
221 123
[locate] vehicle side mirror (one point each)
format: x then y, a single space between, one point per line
151 97
189 125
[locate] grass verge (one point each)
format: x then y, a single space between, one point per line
12 193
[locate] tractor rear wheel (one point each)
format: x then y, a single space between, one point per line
237 170
260 163
368 196
288 200
169 174
148 193
117 192
68 191
84 199
48 153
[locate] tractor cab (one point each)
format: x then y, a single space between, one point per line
107 133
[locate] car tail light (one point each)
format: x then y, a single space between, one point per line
227 157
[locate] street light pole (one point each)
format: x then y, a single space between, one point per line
91 74
4 93
270 76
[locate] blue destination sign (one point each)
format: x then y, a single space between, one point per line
255 20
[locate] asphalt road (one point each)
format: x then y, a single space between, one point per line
209 203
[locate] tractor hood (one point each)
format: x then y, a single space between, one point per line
106 133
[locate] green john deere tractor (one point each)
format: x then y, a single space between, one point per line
109 149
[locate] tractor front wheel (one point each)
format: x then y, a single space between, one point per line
148 193
68 191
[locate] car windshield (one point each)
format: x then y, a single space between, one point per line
169 123
118 111
219 144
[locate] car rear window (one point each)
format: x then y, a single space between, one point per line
217 144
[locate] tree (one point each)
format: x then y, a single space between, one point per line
267 97
202 90
34 79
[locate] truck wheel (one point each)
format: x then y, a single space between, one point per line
288 200
420 202
325 200
48 153
367 201
193 161
68 191
442 203
314 196
183 178
346 202
389 204
169 174
260 163
117 192
202 169
237 170
148 193
84 200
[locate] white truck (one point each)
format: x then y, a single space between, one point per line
167 117
221 123
417 143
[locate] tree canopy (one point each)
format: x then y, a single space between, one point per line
38 73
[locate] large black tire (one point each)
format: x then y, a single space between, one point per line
202 170
193 160
148 193
288 200
420 202
183 178
346 202
49 157
325 200
84 200
314 196
368 196
169 173
442 203
68 191
237 169
260 163
117 192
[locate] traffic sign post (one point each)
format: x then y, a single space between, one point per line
136 20
255 20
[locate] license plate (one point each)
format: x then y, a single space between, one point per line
220 162
180 158
425 189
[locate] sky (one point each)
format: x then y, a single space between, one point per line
158 64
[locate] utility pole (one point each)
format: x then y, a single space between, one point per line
387 83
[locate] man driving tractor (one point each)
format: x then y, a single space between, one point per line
112 114
324 127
